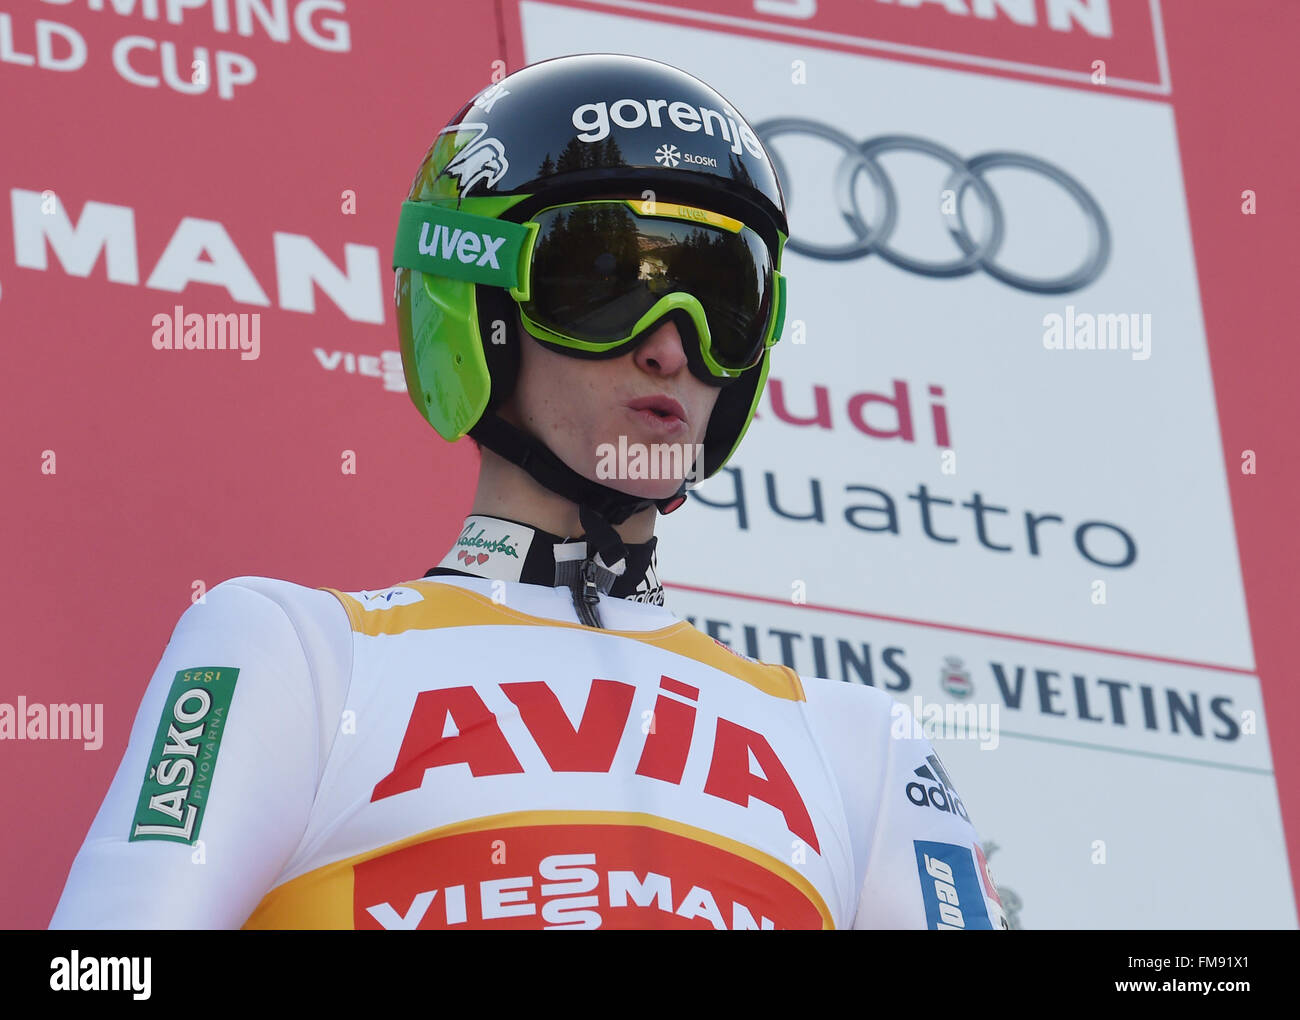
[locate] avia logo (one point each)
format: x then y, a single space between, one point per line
667 155
465 246
941 794
453 726
483 159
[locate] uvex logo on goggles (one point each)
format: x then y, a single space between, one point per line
444 242
464 244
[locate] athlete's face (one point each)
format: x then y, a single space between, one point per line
647 398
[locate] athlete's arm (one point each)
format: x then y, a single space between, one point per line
214 791
919 864
925 868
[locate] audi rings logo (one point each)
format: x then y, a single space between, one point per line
861 159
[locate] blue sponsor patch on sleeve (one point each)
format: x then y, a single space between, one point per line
950 887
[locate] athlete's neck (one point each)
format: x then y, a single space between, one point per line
506 490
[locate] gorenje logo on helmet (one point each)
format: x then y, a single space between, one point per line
593 120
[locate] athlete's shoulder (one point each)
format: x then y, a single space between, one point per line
854 725
855 711
288 595
918 857
848 696
316 617
435 602
222 765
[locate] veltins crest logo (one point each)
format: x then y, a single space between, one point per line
954 679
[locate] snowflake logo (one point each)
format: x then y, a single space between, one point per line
667 155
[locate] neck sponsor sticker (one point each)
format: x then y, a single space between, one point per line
491 548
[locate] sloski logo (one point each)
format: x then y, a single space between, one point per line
668 155
483 159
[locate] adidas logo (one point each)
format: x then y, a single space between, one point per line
940 794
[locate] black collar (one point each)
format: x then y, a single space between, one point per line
508 550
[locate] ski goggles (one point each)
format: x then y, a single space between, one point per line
591 277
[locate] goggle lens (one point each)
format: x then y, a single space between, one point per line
598 267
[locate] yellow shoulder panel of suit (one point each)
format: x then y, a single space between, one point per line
447 605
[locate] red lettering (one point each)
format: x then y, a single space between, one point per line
669 742
730 778
899 402
940 416
667 683
479 742
821 397
589 748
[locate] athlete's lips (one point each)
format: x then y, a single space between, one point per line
661 404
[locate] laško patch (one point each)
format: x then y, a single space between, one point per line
184 755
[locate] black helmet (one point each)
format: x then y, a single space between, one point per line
561 131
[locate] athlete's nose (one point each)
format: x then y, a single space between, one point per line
662 351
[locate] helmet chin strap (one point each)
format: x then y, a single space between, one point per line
525 451
599 509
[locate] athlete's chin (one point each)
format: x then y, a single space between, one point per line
644 488
646 470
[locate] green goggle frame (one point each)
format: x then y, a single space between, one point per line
442 241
